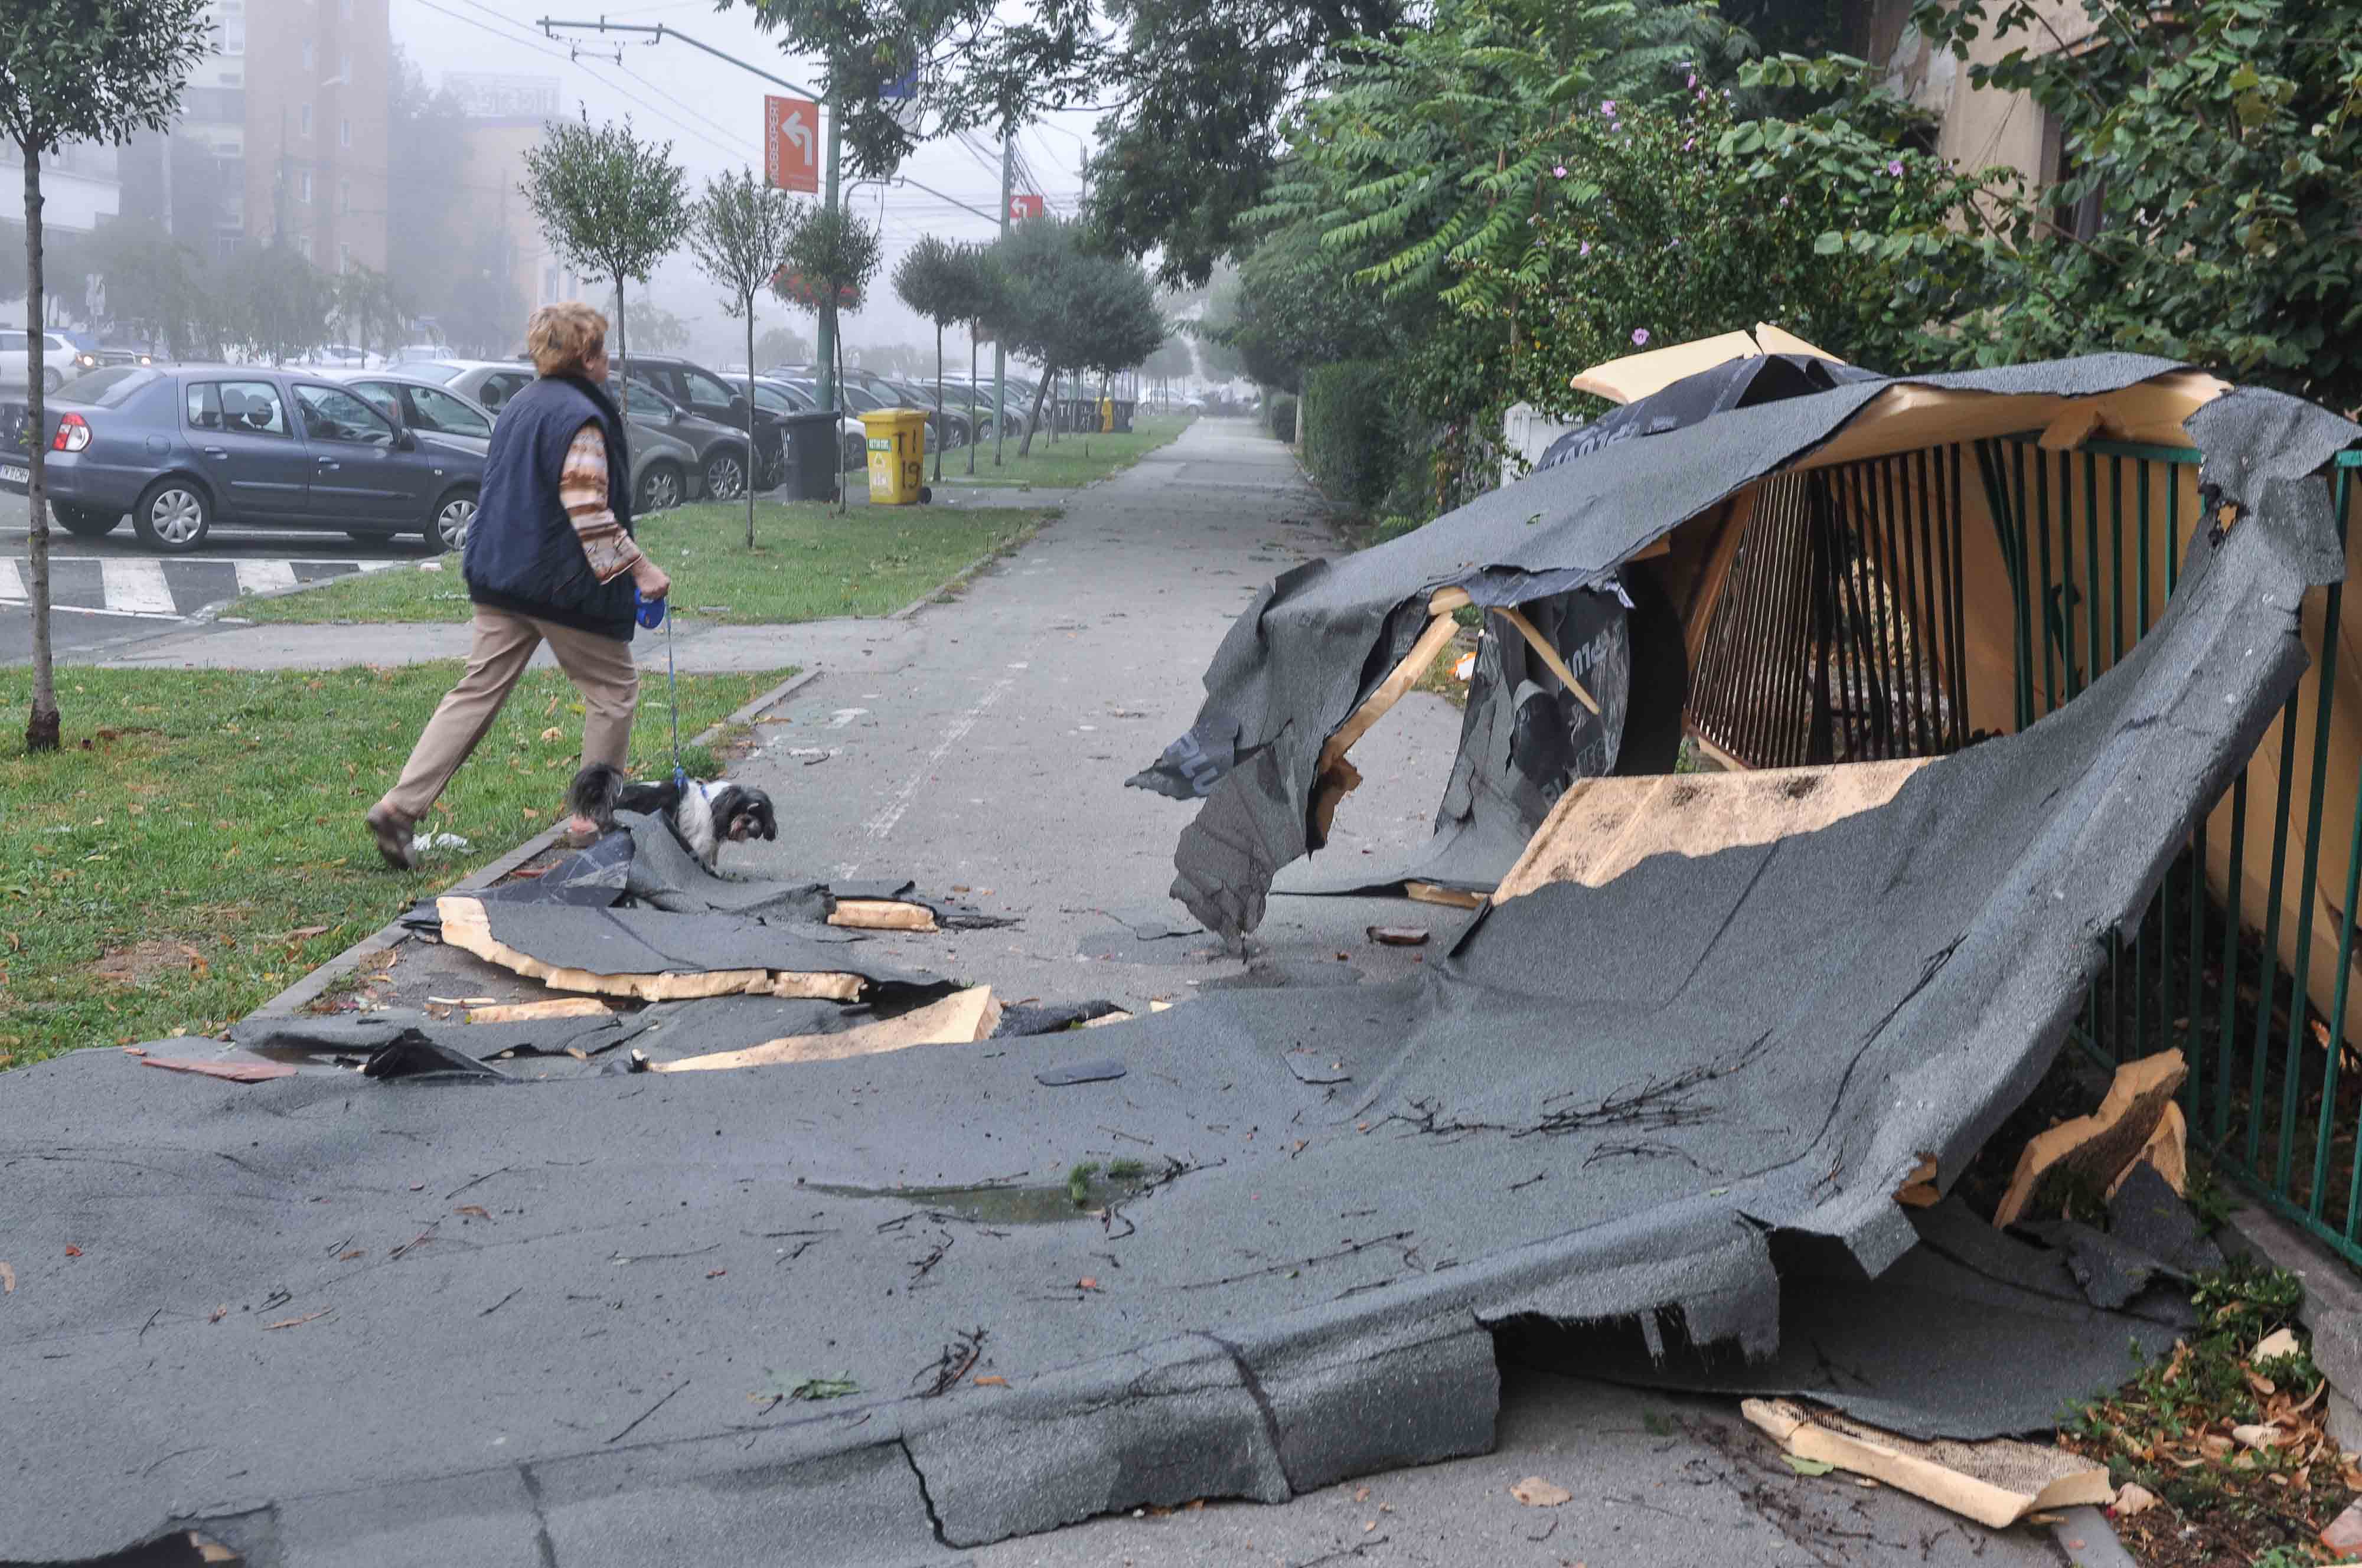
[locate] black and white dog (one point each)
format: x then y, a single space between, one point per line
702 816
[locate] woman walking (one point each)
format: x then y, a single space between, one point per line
549 557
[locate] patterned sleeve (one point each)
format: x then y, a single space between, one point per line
582 488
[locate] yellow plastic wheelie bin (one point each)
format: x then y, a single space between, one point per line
898 457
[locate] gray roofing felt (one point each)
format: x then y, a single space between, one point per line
482 1318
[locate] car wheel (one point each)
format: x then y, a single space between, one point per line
51 381
453 517
88 522
660 488
173 515
725 475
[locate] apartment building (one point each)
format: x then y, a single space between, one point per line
281 135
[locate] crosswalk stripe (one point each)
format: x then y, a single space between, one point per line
265 577
12 582
135 585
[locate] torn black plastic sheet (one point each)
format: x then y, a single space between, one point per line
1316 642
1756 1047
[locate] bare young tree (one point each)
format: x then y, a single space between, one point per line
77 71
738 231
609 205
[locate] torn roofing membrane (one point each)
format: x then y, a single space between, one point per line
1320 639
551 1314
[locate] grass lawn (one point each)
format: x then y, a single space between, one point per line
1063 465
807 564
199 846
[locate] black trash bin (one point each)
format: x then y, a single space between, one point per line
812 455
1078 414
1124 410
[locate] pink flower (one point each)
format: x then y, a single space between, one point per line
1607 107
1560 171
1689 144
1693 81
1639 337
1894 167
1587 248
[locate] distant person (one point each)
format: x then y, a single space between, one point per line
549 557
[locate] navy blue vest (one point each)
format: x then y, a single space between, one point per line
523 553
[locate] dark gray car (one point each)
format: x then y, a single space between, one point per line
181 449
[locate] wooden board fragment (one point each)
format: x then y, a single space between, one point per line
1601 828
1996 1483
1919 1189
1638 375
2092 1149
970 1015
882 914
1429 893
1549 656
1780 340
237 1070
467 927
2168 1149
538 1012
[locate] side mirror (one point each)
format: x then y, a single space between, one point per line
404 441
678 416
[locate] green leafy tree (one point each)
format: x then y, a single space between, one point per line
2213 189
782 346
367 312
738 231
939 281
1070 310
830 257
158 291
612 204
279 305
78 71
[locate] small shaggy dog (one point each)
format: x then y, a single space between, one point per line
702 816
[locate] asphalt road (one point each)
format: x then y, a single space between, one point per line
111 590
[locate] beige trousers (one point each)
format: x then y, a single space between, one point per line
601 668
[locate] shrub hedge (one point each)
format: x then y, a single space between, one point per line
1348 439
1283 417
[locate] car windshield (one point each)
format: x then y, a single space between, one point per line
110 387
428 371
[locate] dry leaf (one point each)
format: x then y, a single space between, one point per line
1536 1493
348 1257
218 1313
1087 1283
473 1211
553 733
2274 1345
1362 1495
2260 1435
2132 1499
8 1280
992 1380
715 1273
73 1252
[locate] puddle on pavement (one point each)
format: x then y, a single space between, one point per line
1011 1205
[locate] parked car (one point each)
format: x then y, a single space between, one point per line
342 356
720 449
62 360
665 468
712 397
181 449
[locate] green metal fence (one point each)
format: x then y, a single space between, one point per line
2093 540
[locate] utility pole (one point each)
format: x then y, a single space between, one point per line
1000 338
835 148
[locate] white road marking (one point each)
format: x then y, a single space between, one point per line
135 585
265 577
365 566
12 582
883 823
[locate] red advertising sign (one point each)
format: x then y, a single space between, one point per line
791 143
1023 207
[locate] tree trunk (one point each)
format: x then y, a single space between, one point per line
1049 373
623 349
942 412
749 303
41 726
836 337
972 442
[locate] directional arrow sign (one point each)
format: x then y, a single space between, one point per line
1022 208
791 143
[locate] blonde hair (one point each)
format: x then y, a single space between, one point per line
564 336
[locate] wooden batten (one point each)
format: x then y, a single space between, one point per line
970 1015
882 914
467 928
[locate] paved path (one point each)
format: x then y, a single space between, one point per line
985 745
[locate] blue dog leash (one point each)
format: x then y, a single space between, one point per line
650 612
